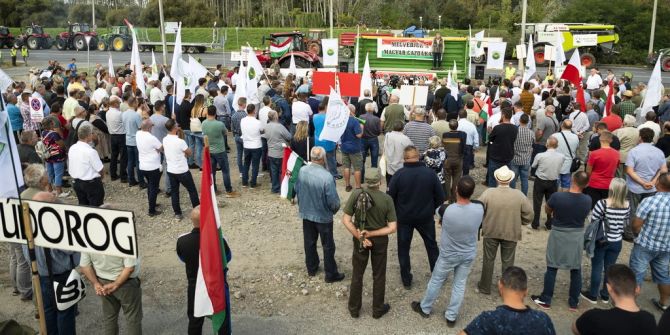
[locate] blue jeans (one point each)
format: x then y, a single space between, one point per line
550 282
468 159
198 144
55 171
371 145
275 173
191 145
331 161
58 322
239 144
493 166
221 159
641 258
520 172
133 166
252 159
461 266
603 257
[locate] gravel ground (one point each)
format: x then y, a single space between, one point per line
272 293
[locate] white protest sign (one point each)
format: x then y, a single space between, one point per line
546 36
413 95
549 52
521 51
337 116
171 27
235 56
36 110
74 228
585 40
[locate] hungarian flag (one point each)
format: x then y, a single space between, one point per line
610 98
279 49
210 288
490 102
572 71
580 98
290 168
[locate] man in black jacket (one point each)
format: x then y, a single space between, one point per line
416 193
188 250
501 145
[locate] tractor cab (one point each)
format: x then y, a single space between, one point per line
79 28
120 30
4 31
34 30
316 34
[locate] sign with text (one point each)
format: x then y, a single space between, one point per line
586 40
171 27
69 227
36 109
546 36
405 48
386 75
413 95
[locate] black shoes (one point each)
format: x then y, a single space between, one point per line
386 309
156 213
338 277
451 324
416 306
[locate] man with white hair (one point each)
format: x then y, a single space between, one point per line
629 137
419 131
392 113
118 134
156 94
149 149
364 101
86 169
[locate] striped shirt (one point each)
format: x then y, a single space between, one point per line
655 212
523 146
419 133
615 219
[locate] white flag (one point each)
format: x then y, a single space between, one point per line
337 116
241 87
330 50
154 67
255 70
452 86
366 79
176 69
195 72
530 61
559 58
111 67
291 67
8 169
5 81
454 72
654 89
136 65
477 45
496 55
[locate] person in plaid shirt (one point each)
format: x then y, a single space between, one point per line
652 246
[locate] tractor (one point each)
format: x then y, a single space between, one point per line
6 37
305 50
665 59
119 39
592 40
34 37
75 37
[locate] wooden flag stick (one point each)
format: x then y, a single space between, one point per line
37 289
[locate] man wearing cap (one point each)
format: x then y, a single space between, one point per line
507 209
369 215
627 106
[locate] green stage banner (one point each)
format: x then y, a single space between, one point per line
405 48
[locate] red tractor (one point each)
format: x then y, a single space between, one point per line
34 37
305 51
6 37
75 37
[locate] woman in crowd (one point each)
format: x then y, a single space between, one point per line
53 140
198 114
301 142
612 212
435 157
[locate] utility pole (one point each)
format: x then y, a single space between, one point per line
524 9
162 30
331 18
93 13
653 28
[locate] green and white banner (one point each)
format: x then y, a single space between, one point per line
330 48
405 48
496 55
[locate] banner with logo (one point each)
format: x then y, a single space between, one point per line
496 55
405 48
330 48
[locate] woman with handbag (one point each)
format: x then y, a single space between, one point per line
610 214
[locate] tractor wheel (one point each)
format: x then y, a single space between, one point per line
347 52
202 50
538 53
46 43
191 50
102 45
119 44
61 44
479 59
588 60
665 63
33 43
17 44
314 48
79 43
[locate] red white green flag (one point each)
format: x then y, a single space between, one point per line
210 289
279 49
291 165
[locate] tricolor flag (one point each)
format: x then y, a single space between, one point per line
610 98
490 102
290 168
572 71
210 289
581 101
278 50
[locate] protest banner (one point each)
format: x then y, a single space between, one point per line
413 95
405 48
69 227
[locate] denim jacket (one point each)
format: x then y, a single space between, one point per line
317 197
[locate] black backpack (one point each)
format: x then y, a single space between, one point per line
72 137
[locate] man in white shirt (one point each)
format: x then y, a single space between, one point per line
85 167
117 133
253 146
300 111
176 150
581 127
471 142
651 124
263 118
156 93
567 145
594 80
149 149
99 94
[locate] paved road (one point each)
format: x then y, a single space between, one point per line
40 57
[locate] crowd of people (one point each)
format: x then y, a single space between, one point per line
592 166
